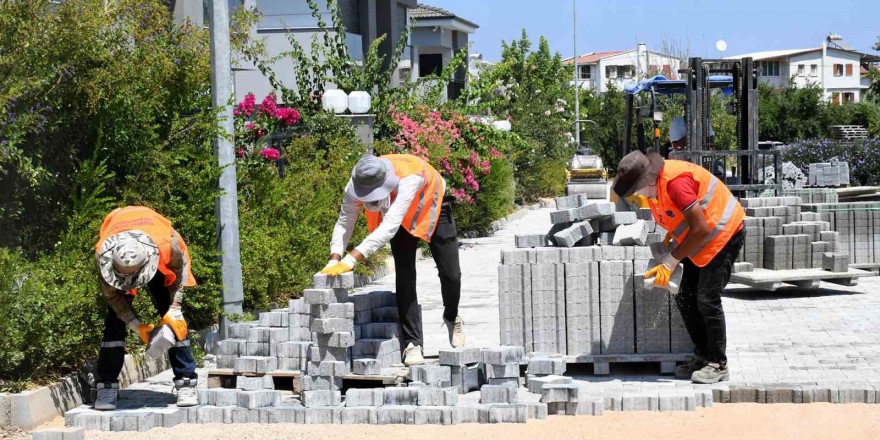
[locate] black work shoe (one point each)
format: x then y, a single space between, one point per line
686 370
711 373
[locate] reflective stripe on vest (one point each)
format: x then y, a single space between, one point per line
723 212
158 228
417 221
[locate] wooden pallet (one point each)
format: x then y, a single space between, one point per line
602 362
225 378
770 280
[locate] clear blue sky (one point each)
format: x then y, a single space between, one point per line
604 25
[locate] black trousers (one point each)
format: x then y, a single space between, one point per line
444 249
111 357
699 300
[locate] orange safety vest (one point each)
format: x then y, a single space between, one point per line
723 212
421 218
158 228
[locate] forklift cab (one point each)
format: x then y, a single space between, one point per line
735 78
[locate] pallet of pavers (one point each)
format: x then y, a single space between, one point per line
562 294
789 242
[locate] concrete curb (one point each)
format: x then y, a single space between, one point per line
499 224
32 408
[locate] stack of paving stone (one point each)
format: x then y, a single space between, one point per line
582 222
465 367
781 236
833 173
813 195
583 301
377 332
858 226
332 325
274 342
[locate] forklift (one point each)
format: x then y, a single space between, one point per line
738 168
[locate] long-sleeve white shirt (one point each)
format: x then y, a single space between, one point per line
392 217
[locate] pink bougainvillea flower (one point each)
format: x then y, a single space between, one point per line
240 152
249 125
287 115
246 107
270 154
269 104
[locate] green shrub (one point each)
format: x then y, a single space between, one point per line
545 178
494 201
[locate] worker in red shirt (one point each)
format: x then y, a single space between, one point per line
705 224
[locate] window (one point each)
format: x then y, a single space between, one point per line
835 98
611 72
769 68
849 70
849 97
430 64
667 70
801 70
814 70
628 71
584 72
838 70
654 69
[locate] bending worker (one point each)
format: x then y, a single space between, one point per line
403 198
139 248
705 224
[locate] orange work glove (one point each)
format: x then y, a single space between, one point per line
143 330
174 319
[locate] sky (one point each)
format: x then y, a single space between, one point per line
606 25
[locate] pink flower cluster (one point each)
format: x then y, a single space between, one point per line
270 154
245 107
449 142
287 115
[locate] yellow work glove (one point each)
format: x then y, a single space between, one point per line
662 272
174 319
346 265
143 330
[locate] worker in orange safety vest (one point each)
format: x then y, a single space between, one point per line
139 248
403 198
705 232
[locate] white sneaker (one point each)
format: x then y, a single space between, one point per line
412 355
186 393
456 332
107 394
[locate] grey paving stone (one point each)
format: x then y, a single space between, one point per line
321 398
332 325
555 392
490 394
546 366
434 375
58 434
365 397
396 414
510 369
344 281
432 415
336 310
324 296
259 399
535 383
321 383
359 415
366 366
502 355
401 396
460 356
504 413
323 415
329 368
431 396
283 414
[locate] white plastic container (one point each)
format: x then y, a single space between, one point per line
503 125
359 102
334 100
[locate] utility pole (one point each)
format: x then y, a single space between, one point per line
577 86
226 209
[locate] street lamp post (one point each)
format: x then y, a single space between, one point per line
577 103
226 209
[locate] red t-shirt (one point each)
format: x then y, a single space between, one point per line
683 192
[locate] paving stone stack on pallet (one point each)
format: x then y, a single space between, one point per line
858 226
833 173
784 233
596 305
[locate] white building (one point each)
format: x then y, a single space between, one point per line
596 69
834 67
437 35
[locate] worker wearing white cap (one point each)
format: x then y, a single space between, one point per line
403 198
678 134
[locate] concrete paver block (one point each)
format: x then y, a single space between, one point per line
344 281
460 356
321 398
364 397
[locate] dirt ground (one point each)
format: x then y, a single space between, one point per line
739 421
